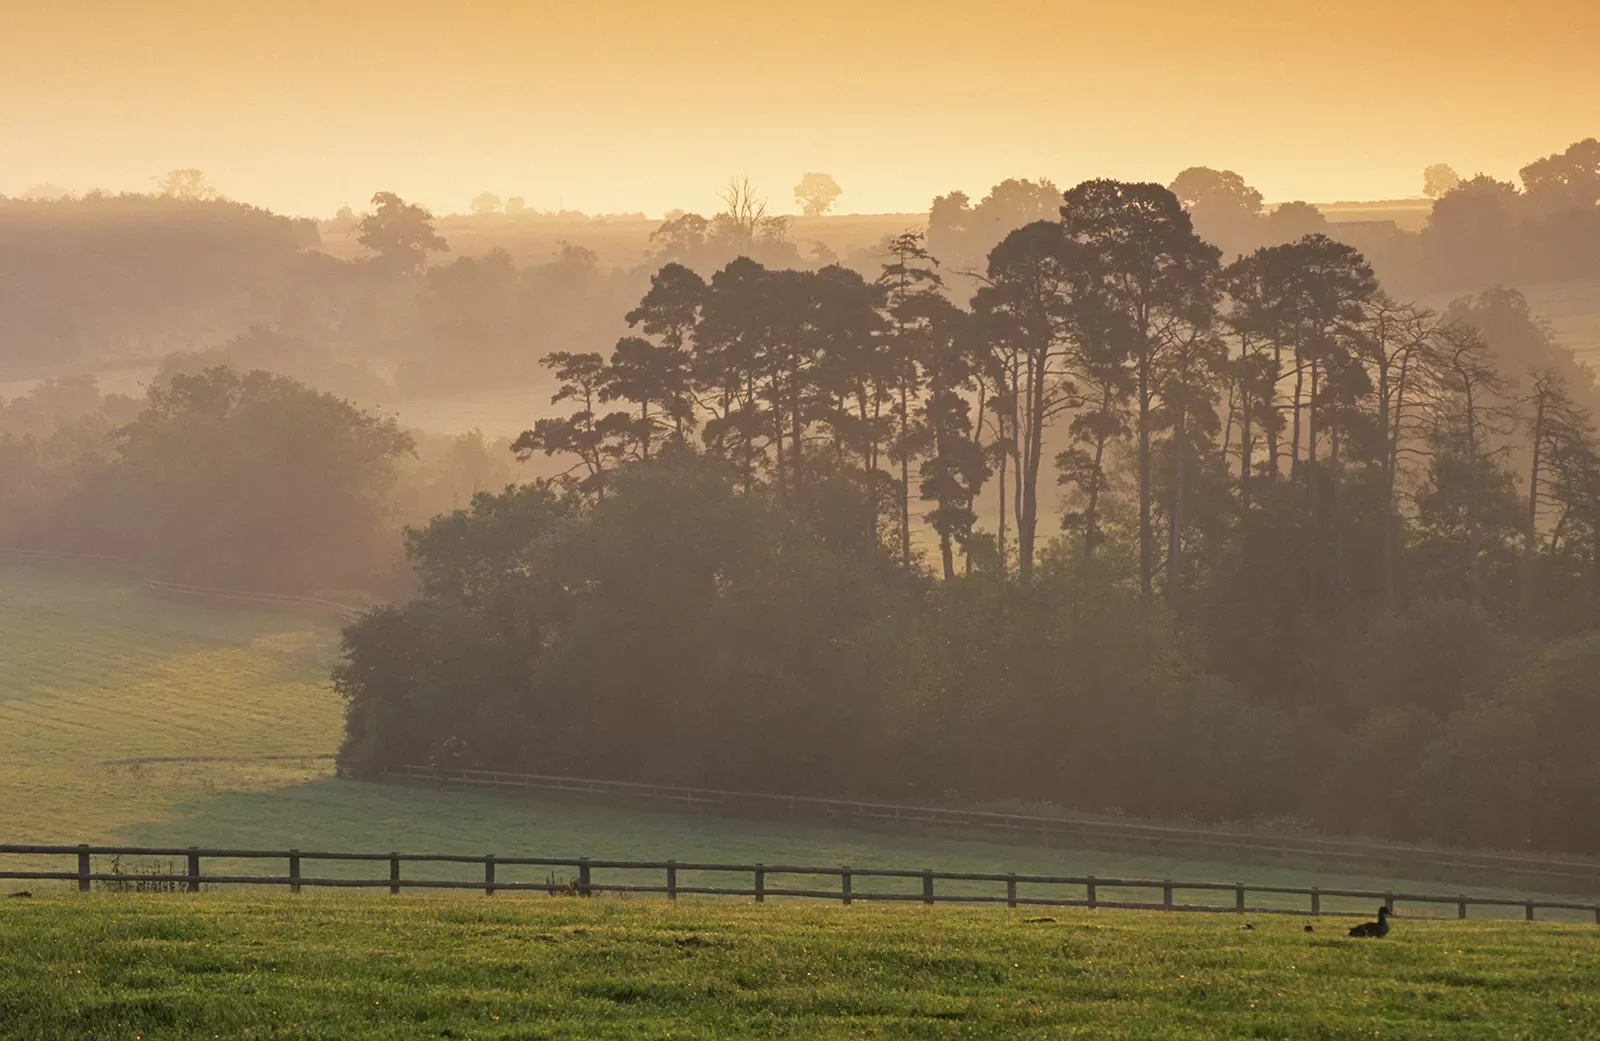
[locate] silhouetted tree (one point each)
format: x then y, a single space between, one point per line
1566 182
962 234
658 371
1471 235
599 441
188 184
1563 473
1468 508
1438 180
1153 266
1037 279
400 233
910 284
253 481
953 466
1293 220
816 193
1225 210
744 221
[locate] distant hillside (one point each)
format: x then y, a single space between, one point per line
84 281
620 242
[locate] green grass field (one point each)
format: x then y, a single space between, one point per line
128 718
150 968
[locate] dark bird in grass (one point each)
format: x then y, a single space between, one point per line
23 893
1375 930
1247 925
1311 928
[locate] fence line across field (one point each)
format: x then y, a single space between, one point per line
585 884
40 556
496 780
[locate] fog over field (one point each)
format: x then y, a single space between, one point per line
1167 430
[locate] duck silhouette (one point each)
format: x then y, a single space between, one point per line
1375 930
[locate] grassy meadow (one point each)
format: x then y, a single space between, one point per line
130 718
343 969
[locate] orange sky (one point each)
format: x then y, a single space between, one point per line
634 104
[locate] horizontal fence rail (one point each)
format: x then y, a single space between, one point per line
1021 824
40 556
842 884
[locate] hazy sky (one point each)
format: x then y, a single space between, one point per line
650 104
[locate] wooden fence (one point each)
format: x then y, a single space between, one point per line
1211 841
853 883
347 612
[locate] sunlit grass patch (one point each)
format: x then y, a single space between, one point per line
162 966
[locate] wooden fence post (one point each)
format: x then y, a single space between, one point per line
83 868
394 874
672 880
1529 906
927 886
761 884
194 869
1011 892
1388 901
488 874
1461 908
1090 887
583 876
1166 893
844 885
1316 900
294 871
1238 896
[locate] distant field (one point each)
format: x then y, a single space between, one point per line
1573 310
1408 214
622 243
345 969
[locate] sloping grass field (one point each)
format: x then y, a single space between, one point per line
127 718
343 969
117 705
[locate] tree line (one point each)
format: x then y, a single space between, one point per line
1326 554
1110 354
84 281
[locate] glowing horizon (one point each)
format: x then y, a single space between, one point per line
619 105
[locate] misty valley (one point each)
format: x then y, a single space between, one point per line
1058 610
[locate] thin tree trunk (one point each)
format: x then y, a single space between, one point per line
1530 536
1294 434
1270 400
1091 513
1175 534
1474 564
1146 535
1246 447
905 478
1028 515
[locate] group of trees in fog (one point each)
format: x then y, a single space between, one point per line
91 279
1481 231
1124 497
1487 231
1321 546
225 475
